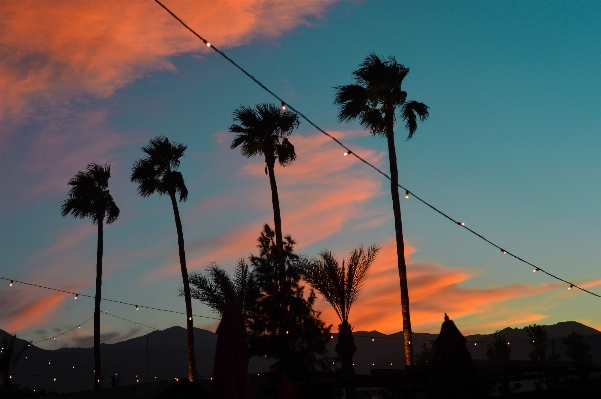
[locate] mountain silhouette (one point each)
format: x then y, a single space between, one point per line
73 368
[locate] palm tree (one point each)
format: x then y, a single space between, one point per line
217 289
157 173
341 286
89 197
9 357
374 100
264 130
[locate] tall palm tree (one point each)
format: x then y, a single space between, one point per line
374 99
264 130
89 197
341 286
157 173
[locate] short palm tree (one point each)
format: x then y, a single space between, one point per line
217 289
89 197
157 173
375 99
264 130
341 285
9 357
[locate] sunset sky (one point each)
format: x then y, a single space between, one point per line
511 147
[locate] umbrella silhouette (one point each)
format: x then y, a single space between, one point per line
454 373
230 371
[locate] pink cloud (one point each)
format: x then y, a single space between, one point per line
54 52
433 290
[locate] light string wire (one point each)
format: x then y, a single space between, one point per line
63 333
350 152
104 299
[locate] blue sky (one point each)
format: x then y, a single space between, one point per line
511 148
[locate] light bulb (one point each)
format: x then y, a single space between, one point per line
283 106
11 283
406 194
504 252
346 153
535 270
208 44
461 223
78 326
54 378
570 287
190 318
137 308
54 338
75 296
475 343
331 337
507 342
372 339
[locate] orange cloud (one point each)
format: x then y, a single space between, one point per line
337 200
54 52
28 310
433 290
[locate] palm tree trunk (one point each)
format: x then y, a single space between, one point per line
346 349
277 220
400 245
187 297
99 249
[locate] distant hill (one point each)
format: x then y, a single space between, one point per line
167 357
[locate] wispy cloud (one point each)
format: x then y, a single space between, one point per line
434 290
55 52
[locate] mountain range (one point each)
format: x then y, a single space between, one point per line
162 355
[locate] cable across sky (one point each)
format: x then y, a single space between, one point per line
348 151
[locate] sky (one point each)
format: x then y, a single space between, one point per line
511 148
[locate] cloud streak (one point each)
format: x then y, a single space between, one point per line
434 289
56 52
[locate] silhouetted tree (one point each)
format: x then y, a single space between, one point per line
537 336
426 356
264 130
341 285
9 357
89 197
374 99
217 289
157 173
284 325
578 351
499 349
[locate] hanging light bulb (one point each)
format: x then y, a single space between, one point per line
78 326
54 338
570 287
76 295
461 223
504 252
406 194
283 106
137 308
475 343
207 43
54 378
11 283
190 318
347 152
372 339
535 270
331 336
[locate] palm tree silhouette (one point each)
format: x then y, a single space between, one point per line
9 357
341 286
264 130
374 100
217 289
89 197
157 173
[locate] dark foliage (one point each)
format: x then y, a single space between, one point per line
537 336
499 349
578 351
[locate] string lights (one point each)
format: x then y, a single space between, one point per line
105 299
349 152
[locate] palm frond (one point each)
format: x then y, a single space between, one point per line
410 111
156 172
89 195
